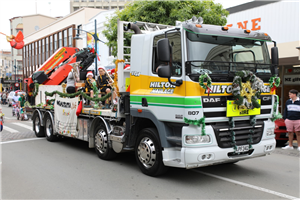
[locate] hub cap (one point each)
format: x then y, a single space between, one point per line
49 127
101 141
37 124
147 152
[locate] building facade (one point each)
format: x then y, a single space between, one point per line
100 4
40 45
25 24
280 20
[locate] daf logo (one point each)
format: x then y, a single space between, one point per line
211 100
266 98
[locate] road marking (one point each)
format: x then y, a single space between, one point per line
248 185
5 128
10 117
24 140
23 125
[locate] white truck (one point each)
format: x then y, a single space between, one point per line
163 113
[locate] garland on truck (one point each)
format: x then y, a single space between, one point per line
36 89
208 85
232 133
274 82
278 115
96 99
199 122
247 94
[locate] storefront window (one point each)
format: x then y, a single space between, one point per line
70 37
65 38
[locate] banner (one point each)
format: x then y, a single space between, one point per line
291 79
65 116
91 42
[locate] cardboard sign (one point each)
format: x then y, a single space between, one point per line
233 111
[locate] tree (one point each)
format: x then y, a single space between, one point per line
163 12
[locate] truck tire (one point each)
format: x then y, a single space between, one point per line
37 127
102 144
148 153
49 129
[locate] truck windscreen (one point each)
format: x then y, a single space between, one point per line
214 54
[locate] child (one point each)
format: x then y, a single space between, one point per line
89 83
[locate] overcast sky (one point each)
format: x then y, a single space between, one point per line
53 8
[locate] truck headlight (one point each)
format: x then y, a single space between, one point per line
197 139
270 131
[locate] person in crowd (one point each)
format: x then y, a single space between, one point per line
71 82
291 116
4 97
15 103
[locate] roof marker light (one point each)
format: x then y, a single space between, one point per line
225 28
265 34
198 26
247 31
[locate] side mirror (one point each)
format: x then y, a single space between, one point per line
163 50
164 71
274 55
275 60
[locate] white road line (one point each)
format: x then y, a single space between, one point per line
24 140
250 186
5 128
23 125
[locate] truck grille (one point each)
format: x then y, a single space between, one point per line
242 133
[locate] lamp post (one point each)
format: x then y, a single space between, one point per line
77 37
15 73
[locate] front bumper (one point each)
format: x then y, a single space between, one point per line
211 154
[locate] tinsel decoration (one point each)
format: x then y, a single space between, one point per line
275 114
252 123
198 122
96 99
36 89
208 85
246 95
95 89
232 125
274 82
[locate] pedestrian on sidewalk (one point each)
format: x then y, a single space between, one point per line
291 118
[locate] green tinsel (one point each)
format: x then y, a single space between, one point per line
232 125
274 81
201 80
96 99
276 116
36 89
197 123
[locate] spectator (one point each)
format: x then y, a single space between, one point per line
4 96
291 116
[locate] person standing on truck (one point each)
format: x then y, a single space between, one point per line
291 118
71 81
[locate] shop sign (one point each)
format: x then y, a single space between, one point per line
291 80
295 70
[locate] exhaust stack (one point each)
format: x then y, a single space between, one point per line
133 27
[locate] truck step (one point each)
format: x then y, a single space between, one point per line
175 140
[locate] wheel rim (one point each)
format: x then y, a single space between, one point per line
37 124
146 152
101 141
49 127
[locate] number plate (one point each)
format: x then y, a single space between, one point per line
243 148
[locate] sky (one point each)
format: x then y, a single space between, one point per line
53 8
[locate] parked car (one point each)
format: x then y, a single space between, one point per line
11 95
281 134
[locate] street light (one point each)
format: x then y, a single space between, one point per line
77 37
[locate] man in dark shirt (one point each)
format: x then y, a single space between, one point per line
291 116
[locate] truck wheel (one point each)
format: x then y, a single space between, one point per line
49 130
37 128
102 144
148 153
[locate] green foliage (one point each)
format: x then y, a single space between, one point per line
163 12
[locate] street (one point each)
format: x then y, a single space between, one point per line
33 168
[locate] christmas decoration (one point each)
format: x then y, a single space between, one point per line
208 85
274 82
198 122
247 94
276 115
16 42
